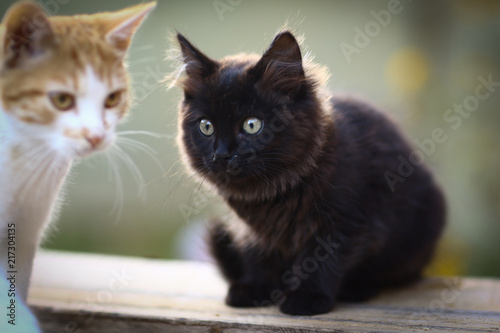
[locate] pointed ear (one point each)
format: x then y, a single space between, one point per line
197 64
284 49
280 68
27 33
121 26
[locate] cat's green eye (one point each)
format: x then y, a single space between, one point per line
206 127
113 99
62 101
252 125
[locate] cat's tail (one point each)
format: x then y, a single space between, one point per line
225 251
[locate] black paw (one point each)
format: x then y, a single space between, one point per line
302 303
245 295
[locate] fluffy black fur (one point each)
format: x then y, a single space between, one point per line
333 208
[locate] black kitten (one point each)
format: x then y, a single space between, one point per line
329 206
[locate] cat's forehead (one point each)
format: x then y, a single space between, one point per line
229 93
84 82
233 69
231 80
81 45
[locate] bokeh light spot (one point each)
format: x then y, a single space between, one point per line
407 70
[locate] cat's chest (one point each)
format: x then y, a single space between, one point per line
31 178
284 224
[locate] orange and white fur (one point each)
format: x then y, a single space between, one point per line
64 87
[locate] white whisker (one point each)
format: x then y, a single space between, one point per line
42 162
117 207
142 147
151 134
147 95
52 175
134 170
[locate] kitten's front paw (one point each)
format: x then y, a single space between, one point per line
245 295
302 303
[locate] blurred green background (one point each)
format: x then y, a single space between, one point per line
416 59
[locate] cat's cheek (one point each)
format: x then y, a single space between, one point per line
109 140
28 114
66 137
59 144
111 119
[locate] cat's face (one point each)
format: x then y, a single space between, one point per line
249 125
62 79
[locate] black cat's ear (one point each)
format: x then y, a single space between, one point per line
197 64
280 68
27 33
284 49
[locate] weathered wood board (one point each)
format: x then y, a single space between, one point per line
94 293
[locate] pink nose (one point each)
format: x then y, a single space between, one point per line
94 140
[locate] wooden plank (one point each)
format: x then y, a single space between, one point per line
95 293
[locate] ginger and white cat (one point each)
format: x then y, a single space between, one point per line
64 86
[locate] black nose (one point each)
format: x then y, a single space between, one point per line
221 157
222 153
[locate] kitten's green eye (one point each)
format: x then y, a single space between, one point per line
113 99
206 127
252 125
62 101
